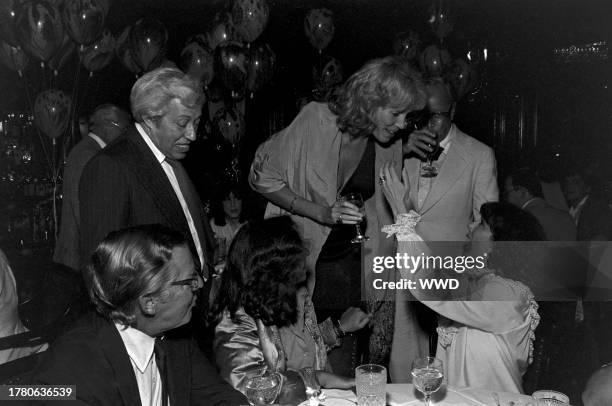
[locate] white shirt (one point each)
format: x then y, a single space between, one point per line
97 139
140 347
575 211
161 158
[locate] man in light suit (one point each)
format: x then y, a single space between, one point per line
448 203
106 123
139 179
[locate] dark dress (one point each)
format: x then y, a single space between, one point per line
338 270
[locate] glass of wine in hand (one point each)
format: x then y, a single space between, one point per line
262 388
357 200
427 375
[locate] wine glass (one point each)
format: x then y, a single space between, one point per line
357 200
427 375
428 170
262 388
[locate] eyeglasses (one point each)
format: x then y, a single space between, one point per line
420 119
194 282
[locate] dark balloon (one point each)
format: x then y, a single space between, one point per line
99 54
197 61
9 13
319 27
222 30
40 28
52 112
434 60
13 57
229 122
441 19
231 66
262 62
407 44
84 19
250 18
148 39
460 77
122 49
330 75
61 57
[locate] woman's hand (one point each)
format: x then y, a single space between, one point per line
341 212
353 319
396 190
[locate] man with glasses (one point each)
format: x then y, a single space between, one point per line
451 176
133 349
139 179
106 123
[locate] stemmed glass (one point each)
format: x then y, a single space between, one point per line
262 388
428 170
357 200
427 375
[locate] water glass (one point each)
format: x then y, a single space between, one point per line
371 384
427 376
262 388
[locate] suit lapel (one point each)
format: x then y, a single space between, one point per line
117 355
154 180
452 169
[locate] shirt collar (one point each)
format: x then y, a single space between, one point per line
446 142
97 139
139 346
158 154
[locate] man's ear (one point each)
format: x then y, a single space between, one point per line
148 305
148 123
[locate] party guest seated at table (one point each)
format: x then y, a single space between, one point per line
142 281
265 316
486 331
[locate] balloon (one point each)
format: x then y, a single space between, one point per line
166 63
261 63
477 53
99 54
84 19
330 75
9 12
40 28
222 30
229 122
122 50
13 57
434 59
407 44
62 56
319 27
197 61
460 77
440 19
52 112
231 66
250 18
148 39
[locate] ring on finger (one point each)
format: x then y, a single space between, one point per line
339 219
382 179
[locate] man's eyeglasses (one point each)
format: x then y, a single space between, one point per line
418 120
194 282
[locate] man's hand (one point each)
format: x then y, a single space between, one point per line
418 141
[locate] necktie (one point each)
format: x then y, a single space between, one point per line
160 360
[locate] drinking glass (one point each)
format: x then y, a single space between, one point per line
357 200
428 170
220 250
427 375
262 388
371 384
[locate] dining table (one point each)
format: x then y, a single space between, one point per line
405 394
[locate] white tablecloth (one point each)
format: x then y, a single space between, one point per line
406 395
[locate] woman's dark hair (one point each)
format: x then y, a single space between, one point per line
253 236
128 264
512 229
276 272
223 192
384 82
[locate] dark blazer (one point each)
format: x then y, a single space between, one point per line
595 221
92 356
124 186
67 245
558 225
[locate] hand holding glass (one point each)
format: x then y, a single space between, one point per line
262 388
427 375
357 200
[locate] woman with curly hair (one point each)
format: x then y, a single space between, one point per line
264 317
328 151
486 328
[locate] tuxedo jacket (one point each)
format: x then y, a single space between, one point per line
67 245
466 180
92 356
124 186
